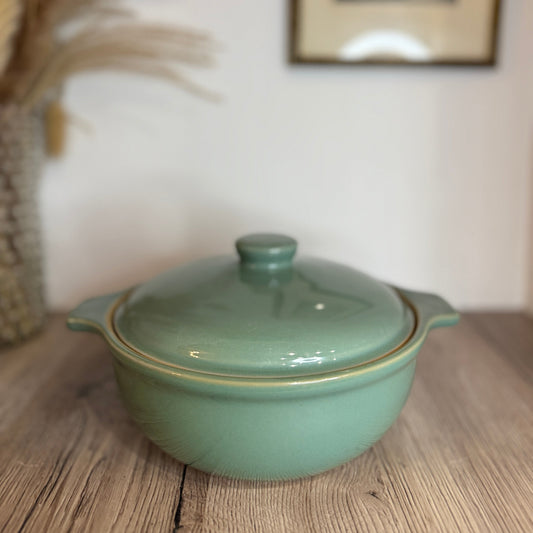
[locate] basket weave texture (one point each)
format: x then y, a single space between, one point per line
22 307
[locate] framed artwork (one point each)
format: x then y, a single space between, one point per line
394 32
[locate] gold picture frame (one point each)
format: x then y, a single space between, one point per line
394 32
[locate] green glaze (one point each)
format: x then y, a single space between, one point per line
263 425
266 251
264 315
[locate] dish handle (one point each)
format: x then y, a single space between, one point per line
432 311
92 314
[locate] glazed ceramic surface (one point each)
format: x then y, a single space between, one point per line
264 366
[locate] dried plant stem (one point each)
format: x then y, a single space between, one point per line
148 50
10 13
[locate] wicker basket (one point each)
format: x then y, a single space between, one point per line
22 309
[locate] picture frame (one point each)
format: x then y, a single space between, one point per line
394 32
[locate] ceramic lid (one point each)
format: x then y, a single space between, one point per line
263 314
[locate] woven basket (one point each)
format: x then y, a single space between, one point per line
22 309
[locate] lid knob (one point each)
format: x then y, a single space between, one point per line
266 251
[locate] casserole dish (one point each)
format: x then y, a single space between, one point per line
264 366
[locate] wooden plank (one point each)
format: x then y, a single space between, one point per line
511 334
70 458
458 459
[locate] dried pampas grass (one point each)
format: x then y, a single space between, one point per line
44 42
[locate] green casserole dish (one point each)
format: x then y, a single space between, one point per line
264 366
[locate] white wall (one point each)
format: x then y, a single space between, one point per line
529 98
530 265
530 237
419 176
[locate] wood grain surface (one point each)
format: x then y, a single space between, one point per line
459 458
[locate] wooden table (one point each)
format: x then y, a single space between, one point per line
459 458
